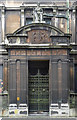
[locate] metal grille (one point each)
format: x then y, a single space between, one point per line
38 92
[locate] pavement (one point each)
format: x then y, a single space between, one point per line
38 118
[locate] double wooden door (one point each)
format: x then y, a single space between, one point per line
38 87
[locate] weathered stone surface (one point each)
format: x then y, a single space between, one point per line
38 36
12 23
39 118
59 52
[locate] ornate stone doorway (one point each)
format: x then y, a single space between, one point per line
38 87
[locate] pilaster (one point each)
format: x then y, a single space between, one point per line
3 23
22 16
73 26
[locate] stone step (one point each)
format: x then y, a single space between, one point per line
39 118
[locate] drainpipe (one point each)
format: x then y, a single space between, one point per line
67 16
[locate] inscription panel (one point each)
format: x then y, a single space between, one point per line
59 52
18 52
31 52
12 52
36 52
46 52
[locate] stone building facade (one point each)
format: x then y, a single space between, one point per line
38 56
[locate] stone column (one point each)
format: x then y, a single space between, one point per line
3 23
18 82
56 19
65 80
24 81
73 26
22 16
12 81
50 82
53 84
59 81
56 22
5 76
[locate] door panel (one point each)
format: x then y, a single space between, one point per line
39 88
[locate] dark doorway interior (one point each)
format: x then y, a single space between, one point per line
38 87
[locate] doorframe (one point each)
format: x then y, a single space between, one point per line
40 59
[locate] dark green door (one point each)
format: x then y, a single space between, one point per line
38 87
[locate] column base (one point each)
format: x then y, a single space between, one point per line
56 111
21 111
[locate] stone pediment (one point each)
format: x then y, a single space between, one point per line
37 33
38 26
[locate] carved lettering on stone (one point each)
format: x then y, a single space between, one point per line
23 52
46 52
39 52
17 52
12 52
28 52
59 52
